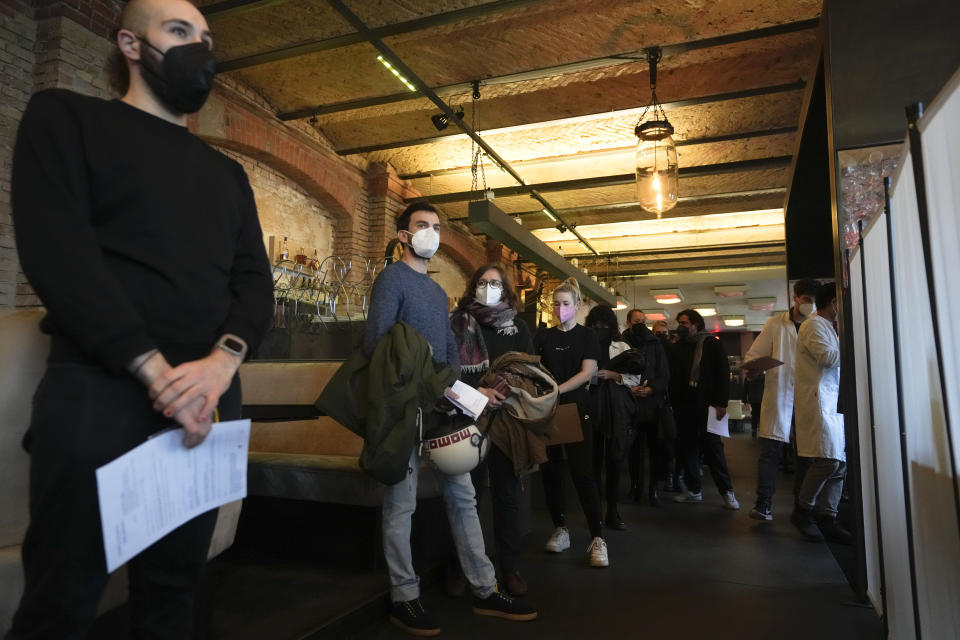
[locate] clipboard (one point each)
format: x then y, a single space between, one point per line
763 363
566 427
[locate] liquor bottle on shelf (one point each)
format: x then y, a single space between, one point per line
315 263
284 251
301 257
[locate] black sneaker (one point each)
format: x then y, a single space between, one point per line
834 531
804 521
500 605
761 511
413 618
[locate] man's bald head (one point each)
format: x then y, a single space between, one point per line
142 18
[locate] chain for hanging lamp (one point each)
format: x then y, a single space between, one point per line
657 170
477 174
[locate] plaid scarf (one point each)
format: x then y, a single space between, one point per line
465 323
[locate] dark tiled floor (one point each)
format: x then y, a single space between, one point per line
680 571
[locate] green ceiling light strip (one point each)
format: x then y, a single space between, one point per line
396 73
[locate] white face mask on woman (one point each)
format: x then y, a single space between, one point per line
488 296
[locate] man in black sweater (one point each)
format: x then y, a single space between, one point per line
144 245
699 380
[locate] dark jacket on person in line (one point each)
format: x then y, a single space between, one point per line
712 385
656 368
378 398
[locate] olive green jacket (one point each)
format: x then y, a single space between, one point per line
377 398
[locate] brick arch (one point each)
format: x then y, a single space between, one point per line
463 249
226 122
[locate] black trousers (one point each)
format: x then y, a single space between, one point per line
692 440
606 463
659 451
579 458
83 418
497 471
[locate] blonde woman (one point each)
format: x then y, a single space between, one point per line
570 352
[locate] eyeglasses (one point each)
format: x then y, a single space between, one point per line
493 284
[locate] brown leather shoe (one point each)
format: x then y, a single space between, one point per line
515 584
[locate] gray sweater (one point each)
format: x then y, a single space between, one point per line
401 293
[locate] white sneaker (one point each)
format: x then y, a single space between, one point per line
689 496
559 540
598 553
730 501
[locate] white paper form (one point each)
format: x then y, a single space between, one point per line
470 401
151 490
720 427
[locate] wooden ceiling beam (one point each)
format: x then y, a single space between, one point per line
688 102
756 164
626 57
400 28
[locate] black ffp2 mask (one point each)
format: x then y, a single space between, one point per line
185 77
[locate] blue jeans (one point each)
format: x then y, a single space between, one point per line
399 503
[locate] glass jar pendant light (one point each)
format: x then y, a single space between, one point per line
657 170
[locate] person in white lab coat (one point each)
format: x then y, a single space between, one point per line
777 339
820 435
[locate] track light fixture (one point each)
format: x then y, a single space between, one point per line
441 121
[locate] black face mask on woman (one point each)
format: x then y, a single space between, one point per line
184 79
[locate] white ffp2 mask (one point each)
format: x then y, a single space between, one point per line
425 243
488 295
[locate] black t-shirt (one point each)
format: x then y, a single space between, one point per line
135 233
563 353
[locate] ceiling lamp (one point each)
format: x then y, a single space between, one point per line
667 296
657 169
621 305
441 121
730 290
705 310
761 304
734 321
655 314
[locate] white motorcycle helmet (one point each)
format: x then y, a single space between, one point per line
456 450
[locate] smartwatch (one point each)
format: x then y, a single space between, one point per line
231 345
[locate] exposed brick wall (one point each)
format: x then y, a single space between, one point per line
286 210
446 272
303 189
17 39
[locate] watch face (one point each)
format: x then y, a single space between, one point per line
233 345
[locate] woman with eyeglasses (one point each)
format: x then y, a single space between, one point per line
485 325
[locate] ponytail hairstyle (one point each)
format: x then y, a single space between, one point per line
571 286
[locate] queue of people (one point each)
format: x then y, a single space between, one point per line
124 362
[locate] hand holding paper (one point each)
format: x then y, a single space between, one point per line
467 399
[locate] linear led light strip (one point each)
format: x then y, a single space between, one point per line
389 66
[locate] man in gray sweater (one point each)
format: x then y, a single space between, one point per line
404 292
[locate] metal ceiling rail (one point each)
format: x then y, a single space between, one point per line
627 57
235 7
426 22
613 208
446 109
740 247
746 135
756 164
687 102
